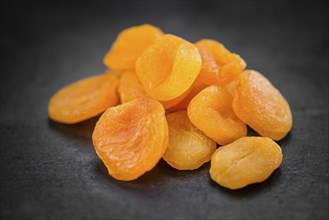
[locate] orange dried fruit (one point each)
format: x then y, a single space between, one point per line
178 101
188 147
245 161
261 106
170 103
116 73
231 87
196 87
129 45
211 111
219 65
168 67
83 99
131 138
129 87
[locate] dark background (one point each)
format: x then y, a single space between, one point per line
50 170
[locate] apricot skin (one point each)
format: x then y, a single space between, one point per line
261 106
219 65
129 44
188 147
131 138
129 87
84 99
196 87
211 111
168 67
247 160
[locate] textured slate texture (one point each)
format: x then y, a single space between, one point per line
50 170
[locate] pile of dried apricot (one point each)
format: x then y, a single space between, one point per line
164 97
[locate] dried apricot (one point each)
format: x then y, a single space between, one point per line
245 161
260 105
188 147
129 45
231 87
178 101
211 111
219 65
168 67
84 99
131 138
129 87
170 103
116 73
196 87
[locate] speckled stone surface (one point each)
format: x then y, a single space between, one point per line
50 171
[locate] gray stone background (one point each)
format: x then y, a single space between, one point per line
50 171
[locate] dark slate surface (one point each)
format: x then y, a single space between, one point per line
50 170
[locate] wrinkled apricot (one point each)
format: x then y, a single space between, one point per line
129 45
129 87
211 111
83 99
188 147
168 67
260 105
131 138
245 161
219 65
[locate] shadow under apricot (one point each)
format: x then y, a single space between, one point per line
251 132
286 140
82 131
252 189
158 178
